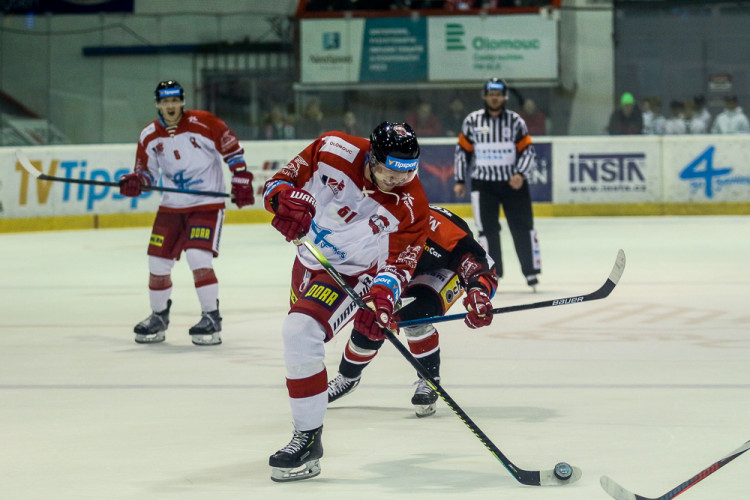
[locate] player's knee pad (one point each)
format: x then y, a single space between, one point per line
417 332
198 258
304 345
160 266
361 342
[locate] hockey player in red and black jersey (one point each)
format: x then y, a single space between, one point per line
361 204
184 150
452 263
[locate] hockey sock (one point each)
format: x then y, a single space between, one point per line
358 353
308 398
159 291
207 288
424 343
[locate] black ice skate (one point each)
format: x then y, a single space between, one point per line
206 331
425 398
151 330
532 281
341 386
299 459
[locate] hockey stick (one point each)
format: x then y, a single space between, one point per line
619 493
601 293
562 474
26 164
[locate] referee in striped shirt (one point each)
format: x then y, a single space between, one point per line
495 147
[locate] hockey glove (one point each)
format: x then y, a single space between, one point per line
295 209
242 188
479 308
132 184
370 322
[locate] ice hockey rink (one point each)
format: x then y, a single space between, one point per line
649 386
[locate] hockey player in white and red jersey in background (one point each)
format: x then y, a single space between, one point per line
452 262
185 149
362 205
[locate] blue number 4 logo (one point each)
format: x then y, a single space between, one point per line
707 173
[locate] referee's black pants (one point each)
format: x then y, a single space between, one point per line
486 199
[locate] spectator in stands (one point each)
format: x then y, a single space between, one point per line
694 124
536 120
454 117
349 124
277 125
701 111
675 124
732 120
627 118
424 122
311 124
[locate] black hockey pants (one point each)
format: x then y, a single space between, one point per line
486 199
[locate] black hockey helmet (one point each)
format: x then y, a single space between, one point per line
169 88
394 139
396 151
496 84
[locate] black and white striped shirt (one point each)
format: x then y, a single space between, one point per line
493 148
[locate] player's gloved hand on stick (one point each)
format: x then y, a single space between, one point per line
242 188
295 209
132 184
370 322
479 308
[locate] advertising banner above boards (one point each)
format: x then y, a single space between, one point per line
440 48
570 170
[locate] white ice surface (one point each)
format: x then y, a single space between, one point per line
648 386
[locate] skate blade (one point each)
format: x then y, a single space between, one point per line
153 338
425 410
305 471
213 339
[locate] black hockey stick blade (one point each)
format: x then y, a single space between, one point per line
37 174
619 493
527 477
602 292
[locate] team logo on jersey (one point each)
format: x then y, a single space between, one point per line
158 149
333 184
200 233
409 256
378 224
292 168
323 294
195 143
468 267
408 200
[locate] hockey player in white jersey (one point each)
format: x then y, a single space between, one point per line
186 150
363 207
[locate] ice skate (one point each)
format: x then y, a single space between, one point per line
151 330
207 330
532 281
299 459
425 398
341 386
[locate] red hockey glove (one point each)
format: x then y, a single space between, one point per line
370 322
477 303
132 184
242 188
295 209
